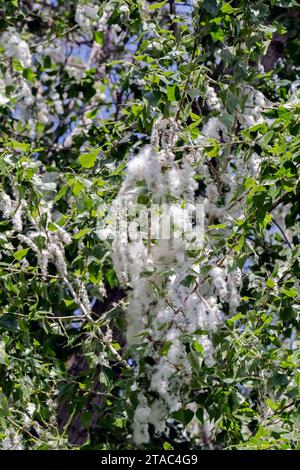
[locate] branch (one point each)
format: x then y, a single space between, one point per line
275 51
282 232
172 5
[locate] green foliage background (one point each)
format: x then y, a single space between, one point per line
55 391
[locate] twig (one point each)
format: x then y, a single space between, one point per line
187 80
55 36
282 232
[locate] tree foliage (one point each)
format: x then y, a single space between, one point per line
112 346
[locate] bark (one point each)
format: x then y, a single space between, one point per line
77 366
275 51
76 431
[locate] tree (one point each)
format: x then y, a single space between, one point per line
112 340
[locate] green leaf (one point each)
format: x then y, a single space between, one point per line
184 416
21 253
200 415
173 93
265 139
194 117
81 233
239 244
279 379
9 322
271 404
119 422
231 101
52 227
226 119
77 188
88 160
217 226
195 359
68 303
270 283
166 347
227 8
156 6
111 278
144 199
218 35
197 346
167 446
61 193
21 146
4 408
211 6
231 321
29 75
104 379
99 37
292 292
188 280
